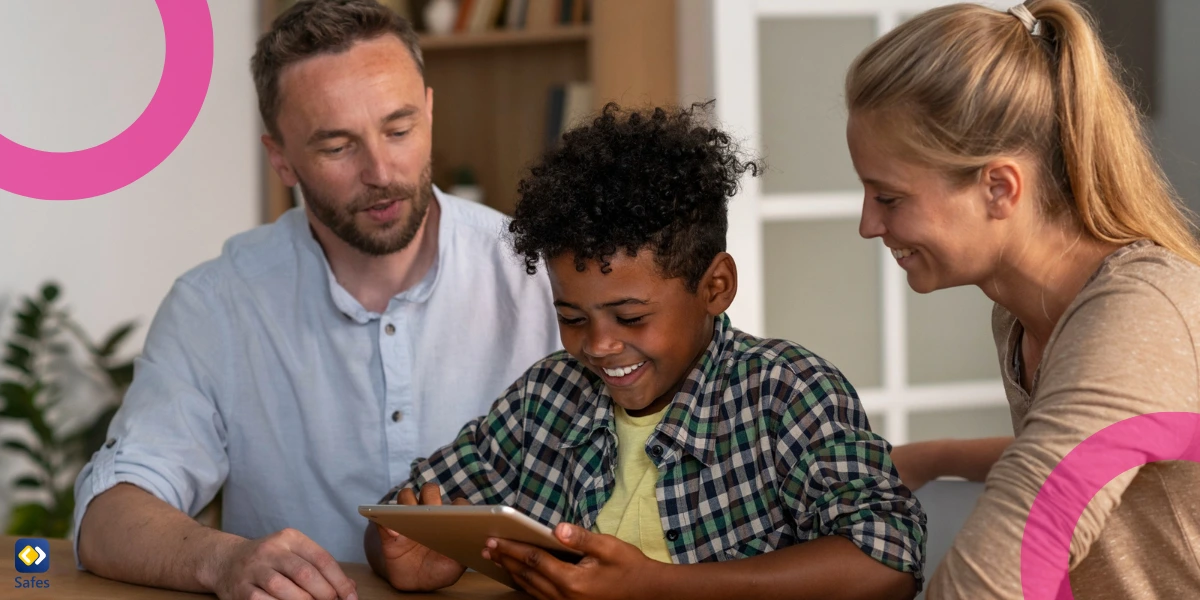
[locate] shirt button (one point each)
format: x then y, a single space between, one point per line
672 535
110 443
389 329
657 451
396 416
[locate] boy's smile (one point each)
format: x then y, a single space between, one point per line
639 332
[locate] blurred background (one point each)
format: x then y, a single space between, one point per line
509 75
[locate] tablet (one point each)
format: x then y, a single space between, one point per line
461 532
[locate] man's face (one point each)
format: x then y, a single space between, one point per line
639 332
357 128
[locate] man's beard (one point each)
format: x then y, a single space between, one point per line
342 220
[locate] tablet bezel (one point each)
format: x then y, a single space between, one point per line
461 532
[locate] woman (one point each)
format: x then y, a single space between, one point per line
999 150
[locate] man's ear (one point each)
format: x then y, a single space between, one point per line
278 162
1003 183
718 286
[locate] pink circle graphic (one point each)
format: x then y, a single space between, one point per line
187 71
1046 544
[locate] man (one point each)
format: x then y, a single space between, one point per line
316 358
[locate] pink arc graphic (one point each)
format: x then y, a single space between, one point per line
187 71
1046 545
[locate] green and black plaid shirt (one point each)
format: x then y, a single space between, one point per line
765 446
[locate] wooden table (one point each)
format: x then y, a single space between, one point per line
68 583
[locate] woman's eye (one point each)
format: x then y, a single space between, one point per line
629 321
884 200
333 151
399 134
568 321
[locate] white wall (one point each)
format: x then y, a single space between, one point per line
75 73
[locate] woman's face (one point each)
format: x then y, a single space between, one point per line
940 234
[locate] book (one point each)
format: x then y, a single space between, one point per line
577 104
555 103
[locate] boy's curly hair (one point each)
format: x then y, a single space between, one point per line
631 179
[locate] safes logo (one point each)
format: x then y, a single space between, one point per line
32 555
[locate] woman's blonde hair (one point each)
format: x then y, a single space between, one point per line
961 85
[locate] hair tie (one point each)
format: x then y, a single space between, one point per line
1033 25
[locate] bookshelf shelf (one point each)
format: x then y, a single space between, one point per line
492 39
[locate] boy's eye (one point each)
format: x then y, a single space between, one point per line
569 321
629 320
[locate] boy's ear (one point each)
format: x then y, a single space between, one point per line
718 286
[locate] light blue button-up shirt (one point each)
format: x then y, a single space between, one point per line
262 374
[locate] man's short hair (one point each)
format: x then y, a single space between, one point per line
313 27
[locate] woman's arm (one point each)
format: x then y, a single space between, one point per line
922 462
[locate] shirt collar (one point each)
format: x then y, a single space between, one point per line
693 417
342 299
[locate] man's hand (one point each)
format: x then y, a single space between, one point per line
610 568
409 566
283 566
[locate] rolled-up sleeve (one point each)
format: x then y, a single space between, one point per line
840 478
168 437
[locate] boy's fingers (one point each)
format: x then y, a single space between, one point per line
407 497
431 494
582 540
533 559
534 582
461 502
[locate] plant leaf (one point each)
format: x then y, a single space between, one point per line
121 375
21 447
29 520
18 357
28 482
50 291
110 345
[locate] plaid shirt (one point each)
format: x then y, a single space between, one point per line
765 446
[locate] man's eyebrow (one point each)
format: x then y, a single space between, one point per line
613 304
327 134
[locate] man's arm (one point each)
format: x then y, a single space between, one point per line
129 535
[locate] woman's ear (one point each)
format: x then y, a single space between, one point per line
718 286
1004 187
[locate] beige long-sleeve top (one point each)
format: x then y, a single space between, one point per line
1127 345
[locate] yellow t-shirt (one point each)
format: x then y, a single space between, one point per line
631 513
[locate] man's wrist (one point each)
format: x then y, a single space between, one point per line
212 550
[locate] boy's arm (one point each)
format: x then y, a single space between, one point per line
865 531
481 466
839 480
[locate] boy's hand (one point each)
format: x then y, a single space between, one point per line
610 567
410 566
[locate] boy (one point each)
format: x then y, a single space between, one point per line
665 436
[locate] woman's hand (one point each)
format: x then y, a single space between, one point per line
918 463
610 567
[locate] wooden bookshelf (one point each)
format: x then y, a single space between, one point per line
491 88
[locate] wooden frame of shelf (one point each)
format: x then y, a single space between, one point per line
491 89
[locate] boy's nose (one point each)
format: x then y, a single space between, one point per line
599 344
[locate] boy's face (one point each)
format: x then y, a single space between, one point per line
640 332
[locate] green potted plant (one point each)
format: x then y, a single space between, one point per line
39 357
